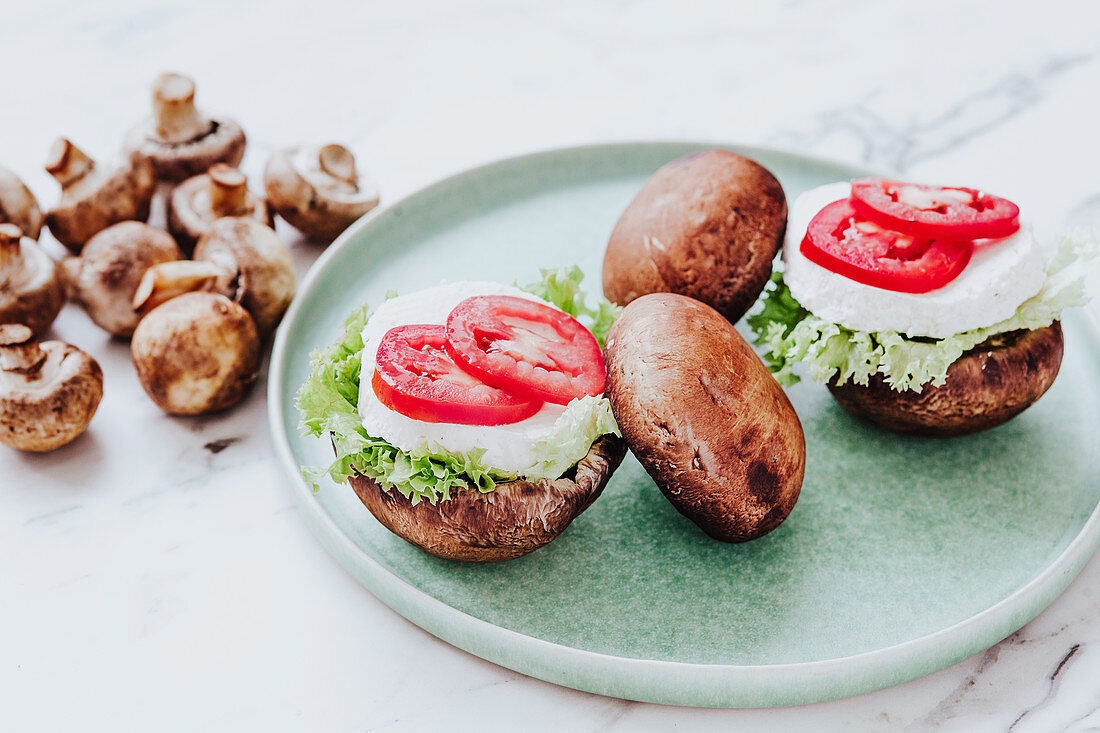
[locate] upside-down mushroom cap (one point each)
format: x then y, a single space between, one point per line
318 190
49 391
31 291
104 278
93 197
179 140
18 205
198 201
512 520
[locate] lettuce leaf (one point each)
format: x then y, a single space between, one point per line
791 334
329 399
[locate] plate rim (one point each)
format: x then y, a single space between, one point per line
649 680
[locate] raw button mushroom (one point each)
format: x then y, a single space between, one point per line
18 205
93 197
197 353
31 292
318 190
105 277
49 391
198 201
181 140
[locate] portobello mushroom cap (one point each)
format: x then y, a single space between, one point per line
31 290
93 197
985 387
18 205
179 140
704 416
512 520
197 202
707 225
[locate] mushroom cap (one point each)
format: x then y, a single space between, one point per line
259 267
49 403
707 226
512 520
31 290
985 387
111 266
318 190
94 197
197 202
18 205
197 353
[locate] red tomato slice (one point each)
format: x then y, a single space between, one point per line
526 348
415 376
842 241
935 211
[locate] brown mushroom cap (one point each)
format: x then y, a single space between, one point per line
987 386
707 226
106 275
704 416
31 291
318 190
18 205
48 392
512 520
179 140
198 201
197 353
93 197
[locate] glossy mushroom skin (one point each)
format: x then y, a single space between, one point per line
180 141
196 354
318 190
514 519
985 387
707 225
704 416
104 278
31 290
93 197
49 391
18 205
200 200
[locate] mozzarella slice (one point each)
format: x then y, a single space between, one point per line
1001 275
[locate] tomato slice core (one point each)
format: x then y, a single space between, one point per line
415 376
934 211
525 347
842 241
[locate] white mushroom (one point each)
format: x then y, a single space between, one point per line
197 353
31 292
49 391
180 140
18 205
318 190
198 201
104 278
93 197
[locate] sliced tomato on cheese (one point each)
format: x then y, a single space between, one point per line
942 212
526 348
843 241
416 376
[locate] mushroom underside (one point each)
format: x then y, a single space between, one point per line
508 522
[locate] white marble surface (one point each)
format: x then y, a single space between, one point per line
154 576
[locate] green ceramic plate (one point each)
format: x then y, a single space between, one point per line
903 555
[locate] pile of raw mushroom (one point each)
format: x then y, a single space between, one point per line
196 301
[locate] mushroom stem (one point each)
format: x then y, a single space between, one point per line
68 163
338 162
228 190
19 350
178 121
168 280
10 249
69 272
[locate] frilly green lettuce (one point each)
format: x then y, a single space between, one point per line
328 403
829 351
